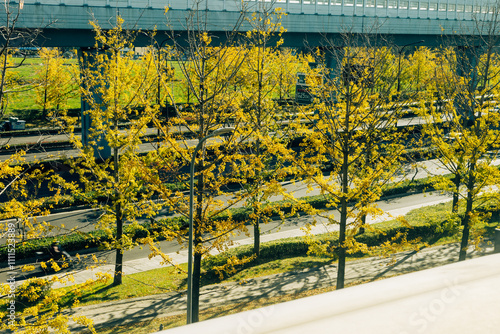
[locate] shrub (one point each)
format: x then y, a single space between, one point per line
31 291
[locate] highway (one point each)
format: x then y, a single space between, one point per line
41 144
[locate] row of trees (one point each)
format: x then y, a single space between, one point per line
350 146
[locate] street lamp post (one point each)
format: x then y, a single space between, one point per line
217 132
400 52
158 97
158 93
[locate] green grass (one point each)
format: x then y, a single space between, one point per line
142 284
23 104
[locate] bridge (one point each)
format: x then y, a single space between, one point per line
65 23
311 23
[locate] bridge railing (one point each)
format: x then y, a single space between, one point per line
419 9
422 9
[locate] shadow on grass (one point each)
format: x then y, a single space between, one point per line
257 267
89 297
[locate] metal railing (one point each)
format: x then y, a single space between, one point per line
422 9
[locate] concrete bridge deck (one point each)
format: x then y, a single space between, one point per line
66 22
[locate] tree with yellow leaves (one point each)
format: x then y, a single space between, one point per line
266 125
116 90
463 127
56 83
30 305
209 72
352 135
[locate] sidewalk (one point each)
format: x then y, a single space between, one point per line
150 307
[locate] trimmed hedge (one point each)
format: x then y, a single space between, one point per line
298 246
94 239
282 248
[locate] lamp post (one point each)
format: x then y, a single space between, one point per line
400 51
158 97
217 132
158 93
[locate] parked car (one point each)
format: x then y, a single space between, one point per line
12 124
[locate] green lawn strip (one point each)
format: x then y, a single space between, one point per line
151 282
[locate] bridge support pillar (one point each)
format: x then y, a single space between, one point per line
334 56
333 61
88 61
467 60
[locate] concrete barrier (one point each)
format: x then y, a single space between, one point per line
457 298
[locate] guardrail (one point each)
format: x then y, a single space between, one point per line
420 9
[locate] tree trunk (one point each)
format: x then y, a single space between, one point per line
468 211
196 285
368 162
45 88
256 226
195 306
343 200
456 180
341 250
256 237
363 224
343 214
117 280
119 220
